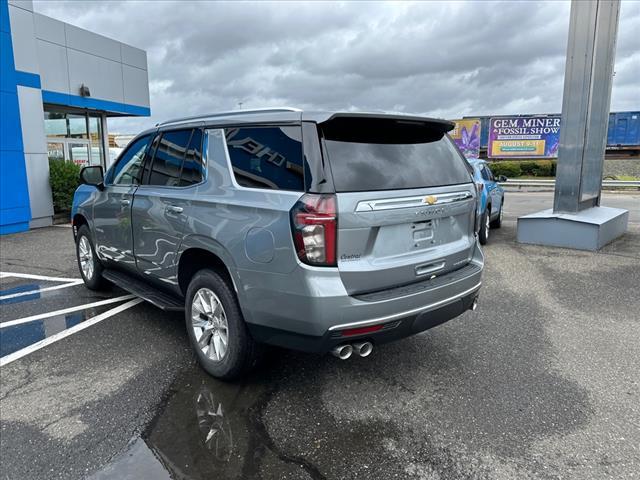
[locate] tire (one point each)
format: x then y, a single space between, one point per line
497 223
240 353
88 262
483 234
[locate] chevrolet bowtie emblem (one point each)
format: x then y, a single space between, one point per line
430 200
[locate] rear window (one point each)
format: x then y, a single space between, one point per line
406 161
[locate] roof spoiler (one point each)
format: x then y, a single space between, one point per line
384 128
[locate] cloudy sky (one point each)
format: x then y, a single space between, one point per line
444 59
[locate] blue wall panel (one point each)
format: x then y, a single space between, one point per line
94 104
15 211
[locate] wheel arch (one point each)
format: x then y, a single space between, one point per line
198 252
194 259
78 221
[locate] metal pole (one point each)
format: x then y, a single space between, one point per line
577 219
585 104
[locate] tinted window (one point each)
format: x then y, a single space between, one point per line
486 173
128 169
167 161
192 168
389 166
266 157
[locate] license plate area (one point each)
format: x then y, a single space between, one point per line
422 234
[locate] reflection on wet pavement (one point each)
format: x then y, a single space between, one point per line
209 429
136 463
204 430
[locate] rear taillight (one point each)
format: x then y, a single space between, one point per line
314 225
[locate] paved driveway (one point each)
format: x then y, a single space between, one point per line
541 382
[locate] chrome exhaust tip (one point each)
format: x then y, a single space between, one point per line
474 305
342 351
363 349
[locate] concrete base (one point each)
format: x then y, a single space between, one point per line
590 229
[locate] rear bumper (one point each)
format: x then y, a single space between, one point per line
308 309
393 330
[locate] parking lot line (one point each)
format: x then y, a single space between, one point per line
40 290
40 316
65 333
37 277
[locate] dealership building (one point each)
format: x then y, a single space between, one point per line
59 83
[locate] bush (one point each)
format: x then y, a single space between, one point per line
512 169
544 168
64 178
508 169
528 167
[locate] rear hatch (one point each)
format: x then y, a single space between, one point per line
405 200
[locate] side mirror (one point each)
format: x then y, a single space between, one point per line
92 175
502 178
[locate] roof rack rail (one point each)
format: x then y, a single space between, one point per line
230 112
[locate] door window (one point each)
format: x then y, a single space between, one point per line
192 167
128 169
486 174
168 158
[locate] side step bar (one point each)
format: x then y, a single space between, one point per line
147 292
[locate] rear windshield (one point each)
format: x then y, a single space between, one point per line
363 166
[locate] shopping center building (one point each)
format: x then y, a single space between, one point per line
59 83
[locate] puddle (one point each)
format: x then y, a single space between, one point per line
136 463
20 336
205 429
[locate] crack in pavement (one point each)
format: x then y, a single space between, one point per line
22 384
255 417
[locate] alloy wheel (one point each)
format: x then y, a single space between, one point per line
85 255
209 323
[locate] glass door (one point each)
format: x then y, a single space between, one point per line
78 152
73 150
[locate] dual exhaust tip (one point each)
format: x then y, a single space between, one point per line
364 349
345 350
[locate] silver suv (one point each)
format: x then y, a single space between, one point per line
322 232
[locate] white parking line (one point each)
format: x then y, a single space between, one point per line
40 316
37 277
65 333
40 290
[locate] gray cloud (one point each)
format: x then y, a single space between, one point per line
445 59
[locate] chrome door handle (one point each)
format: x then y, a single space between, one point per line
125 203
174 209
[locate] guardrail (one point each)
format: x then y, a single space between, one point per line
552 183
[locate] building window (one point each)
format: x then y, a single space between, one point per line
75 137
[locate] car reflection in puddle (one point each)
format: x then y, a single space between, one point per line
214 427
205 429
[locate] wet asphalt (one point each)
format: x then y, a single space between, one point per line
542 381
